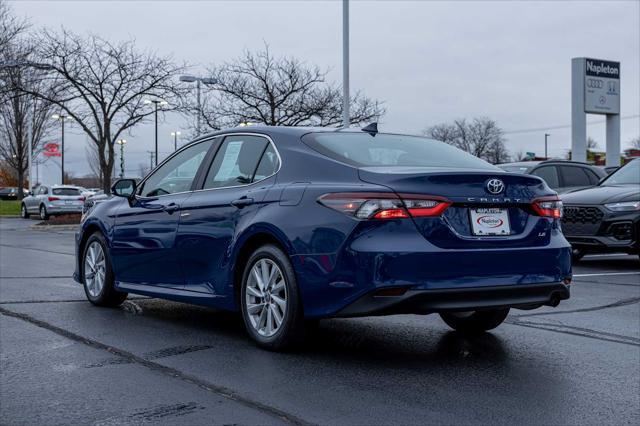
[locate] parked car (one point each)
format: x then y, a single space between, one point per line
290 225
605 218
561 175
47 200
11 193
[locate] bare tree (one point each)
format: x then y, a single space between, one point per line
24 119
10 25
93 161
482 137
103 86
635 142
592 144
277 91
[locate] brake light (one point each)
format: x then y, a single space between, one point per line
81 199
53 198
548 207
366 205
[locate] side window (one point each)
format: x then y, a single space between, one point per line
593 178
177 174
549 174
43 190
236 161
574 176
268 165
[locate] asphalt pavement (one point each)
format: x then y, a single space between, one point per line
64 361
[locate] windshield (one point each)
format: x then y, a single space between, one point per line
362 150
65 191
629 174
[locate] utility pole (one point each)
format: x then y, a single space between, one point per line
157 103
546 135
175 140
346 120
121 142
151 155
199 81
62 118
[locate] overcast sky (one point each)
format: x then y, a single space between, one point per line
429 61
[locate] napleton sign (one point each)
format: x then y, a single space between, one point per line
601 87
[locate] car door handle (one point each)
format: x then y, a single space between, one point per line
171 208
242 202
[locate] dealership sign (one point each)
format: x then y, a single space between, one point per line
52 149
601 86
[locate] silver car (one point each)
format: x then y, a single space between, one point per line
47 200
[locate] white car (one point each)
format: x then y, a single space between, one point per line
47 200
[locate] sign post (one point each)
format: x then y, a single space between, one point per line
595 89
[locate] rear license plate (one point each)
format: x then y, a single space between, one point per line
490 221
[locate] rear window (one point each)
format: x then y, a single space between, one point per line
514 169
364 150
65 191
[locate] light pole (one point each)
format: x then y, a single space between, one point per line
198 81
157 103
62 118
546 135
346 120
121 142
29 132
175 139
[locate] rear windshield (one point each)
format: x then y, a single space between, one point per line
65 191
514 169
629 174
364 150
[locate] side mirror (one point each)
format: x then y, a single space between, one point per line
30 193
124 188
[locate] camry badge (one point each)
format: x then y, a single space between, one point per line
495 186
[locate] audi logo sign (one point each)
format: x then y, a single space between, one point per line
593 83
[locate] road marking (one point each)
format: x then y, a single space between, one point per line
606 273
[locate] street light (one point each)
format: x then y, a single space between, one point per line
175 140
157 103
546 135
121 142
198 80
62 118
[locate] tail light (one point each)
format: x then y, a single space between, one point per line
548 207
365 205
53 198
81 199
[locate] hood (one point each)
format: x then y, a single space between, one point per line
602 195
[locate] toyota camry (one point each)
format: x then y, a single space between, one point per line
291 225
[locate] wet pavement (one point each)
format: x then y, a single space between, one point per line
64 361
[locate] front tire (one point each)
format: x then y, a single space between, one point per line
97 273
475 321
23 212
269 299
43 212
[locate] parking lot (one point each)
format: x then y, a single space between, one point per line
67 362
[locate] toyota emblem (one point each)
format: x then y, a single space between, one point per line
495 186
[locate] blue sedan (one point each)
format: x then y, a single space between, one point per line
291 225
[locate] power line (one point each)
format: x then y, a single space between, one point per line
564 126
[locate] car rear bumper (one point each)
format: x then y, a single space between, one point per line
56 209
462 299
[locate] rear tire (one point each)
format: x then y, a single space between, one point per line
43 212
97 273
475 321
23 212
577 255
270 302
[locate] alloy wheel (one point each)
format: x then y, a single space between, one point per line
266 297
94 269
43 213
